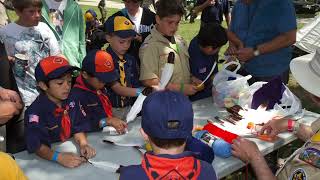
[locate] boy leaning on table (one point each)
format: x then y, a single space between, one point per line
47 118
167 121
305 162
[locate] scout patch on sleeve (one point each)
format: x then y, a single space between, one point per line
33 118
298 174
72 104
311 156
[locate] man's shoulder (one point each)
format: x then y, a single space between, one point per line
133 172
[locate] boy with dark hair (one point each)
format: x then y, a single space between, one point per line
90 107
157 46
120 34
204 52
167 121
47 120
142 19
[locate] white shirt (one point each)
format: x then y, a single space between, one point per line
137 19
34 43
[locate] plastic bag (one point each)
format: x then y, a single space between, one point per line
290 105
225 75
227 85
245 97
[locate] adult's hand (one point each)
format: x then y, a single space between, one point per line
9 95
245 150
275 126
8 110
245 54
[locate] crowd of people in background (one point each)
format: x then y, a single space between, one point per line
66 82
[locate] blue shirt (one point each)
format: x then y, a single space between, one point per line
259 22
86 110
214 13
137 171
200 66
42 124
132 78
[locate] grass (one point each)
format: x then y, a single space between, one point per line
188 31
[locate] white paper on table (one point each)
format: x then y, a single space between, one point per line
105 165
67 146
252 115
132 138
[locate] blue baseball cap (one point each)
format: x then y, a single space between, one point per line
120 26
162 107
52 67
100 64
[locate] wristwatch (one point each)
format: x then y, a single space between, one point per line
256 51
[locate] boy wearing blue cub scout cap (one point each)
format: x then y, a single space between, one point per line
167 121
47 119
90 107
120 33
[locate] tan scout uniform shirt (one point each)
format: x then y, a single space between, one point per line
296 169
154 55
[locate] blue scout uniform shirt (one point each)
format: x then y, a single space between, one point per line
137 171
200 66
215 12
42 123
260 22
86 110
132 77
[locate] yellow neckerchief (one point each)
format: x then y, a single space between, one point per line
123 81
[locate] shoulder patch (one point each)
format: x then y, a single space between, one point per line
33 118
72 104
298 174
144 45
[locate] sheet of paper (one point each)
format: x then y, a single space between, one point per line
132 138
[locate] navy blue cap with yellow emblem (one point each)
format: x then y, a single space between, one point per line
120 26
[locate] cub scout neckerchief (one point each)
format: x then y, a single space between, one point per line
123 81
65 122
162 168
103 98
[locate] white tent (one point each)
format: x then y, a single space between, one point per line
308 37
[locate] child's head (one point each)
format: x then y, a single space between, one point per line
132 6
53 75
168 16
120 32
167 119
29 11
98 69
211 37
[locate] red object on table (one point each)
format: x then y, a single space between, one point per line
223 134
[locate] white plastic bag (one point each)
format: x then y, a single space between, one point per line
225 92
290 105
224 74
245 97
